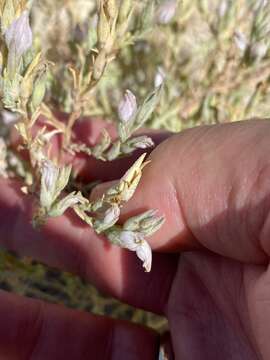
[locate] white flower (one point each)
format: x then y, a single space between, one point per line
240 40
222 8
135 241
111 215
258 50
159 77
18 35
127 107
166 11
107 218
144 253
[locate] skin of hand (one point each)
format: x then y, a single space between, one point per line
210 273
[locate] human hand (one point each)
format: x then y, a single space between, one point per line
212 184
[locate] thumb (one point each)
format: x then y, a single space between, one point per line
212 184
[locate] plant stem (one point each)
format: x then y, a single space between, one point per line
75 114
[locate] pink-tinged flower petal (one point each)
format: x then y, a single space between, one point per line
127 107
19 36
166 11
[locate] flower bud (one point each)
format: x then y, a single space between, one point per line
107 215
140 142
258 50
18 35
130 240
166 11
159 77
240 41
127 107
103 29
111 215
53 181
222 8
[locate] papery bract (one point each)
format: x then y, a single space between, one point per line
49 174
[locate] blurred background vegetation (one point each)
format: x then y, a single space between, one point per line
214 57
